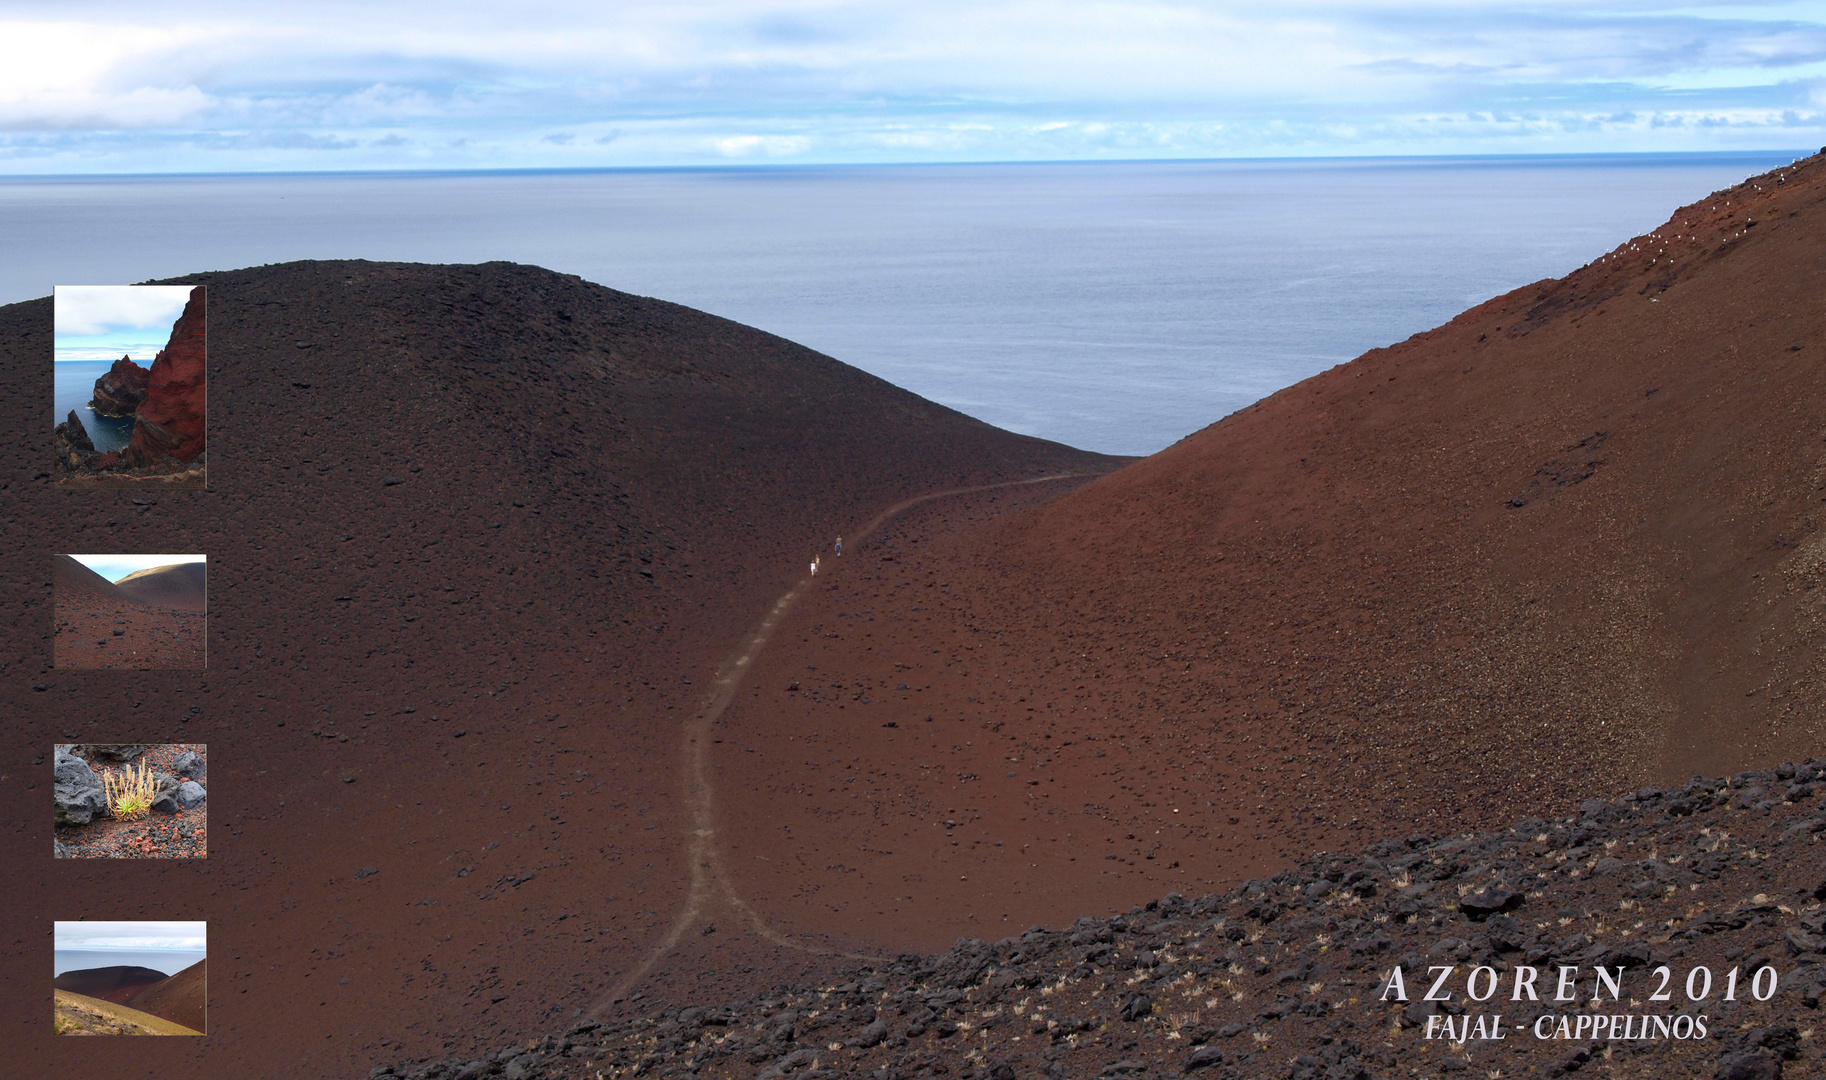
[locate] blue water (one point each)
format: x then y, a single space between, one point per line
73 384
1113 306
166 960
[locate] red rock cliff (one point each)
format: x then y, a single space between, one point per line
170 420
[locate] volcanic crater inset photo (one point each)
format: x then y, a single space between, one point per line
145 612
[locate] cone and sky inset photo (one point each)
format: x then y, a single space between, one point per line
145 612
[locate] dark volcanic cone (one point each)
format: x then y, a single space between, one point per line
486 533
183 586
181 999
115 984
75 584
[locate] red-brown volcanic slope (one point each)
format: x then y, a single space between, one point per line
461 713
181 999
153 634
477 539
184 586
1325 618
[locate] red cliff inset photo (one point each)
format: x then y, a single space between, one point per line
141 612
128 386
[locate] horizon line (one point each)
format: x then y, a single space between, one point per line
134 949
807 165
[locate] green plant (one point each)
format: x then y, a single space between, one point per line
63 1025
130 793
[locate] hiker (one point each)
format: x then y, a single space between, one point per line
814 567
840 546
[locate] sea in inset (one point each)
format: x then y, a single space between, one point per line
1114 306
169 961
74 386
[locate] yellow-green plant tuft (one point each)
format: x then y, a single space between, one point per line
130 795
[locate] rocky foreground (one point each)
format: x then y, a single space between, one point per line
1718 882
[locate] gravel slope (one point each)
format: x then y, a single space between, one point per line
1291 976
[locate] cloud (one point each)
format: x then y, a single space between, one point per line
131 936
63 74
791 30
762 145
485 85
82 310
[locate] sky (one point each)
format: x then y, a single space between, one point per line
108 87
115 567
106 322
131 936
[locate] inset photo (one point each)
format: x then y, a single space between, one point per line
127 389
141 612
130 800
130 978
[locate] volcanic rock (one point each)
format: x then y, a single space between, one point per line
77 791
112 751
165 797
170 421
1748 1065
188 765
190 794
1203 1058
1484 903
1352 1020
121 390
74 436
73 451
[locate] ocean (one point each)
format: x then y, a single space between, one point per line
166 960
1113 306
72 385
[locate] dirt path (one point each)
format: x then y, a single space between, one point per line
709 877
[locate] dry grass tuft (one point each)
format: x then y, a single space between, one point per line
130 794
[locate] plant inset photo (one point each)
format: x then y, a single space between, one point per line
129 611
130 800
130 978
128 391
